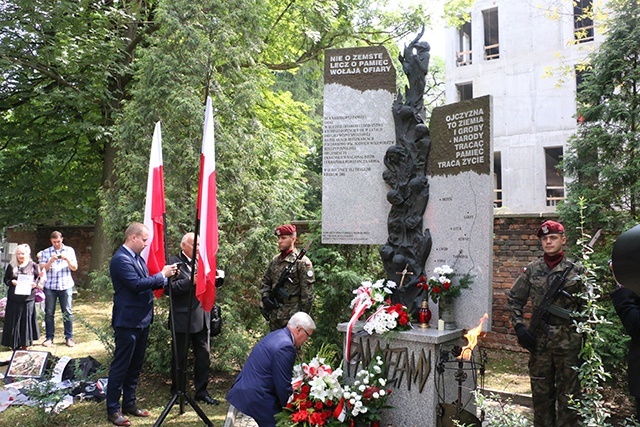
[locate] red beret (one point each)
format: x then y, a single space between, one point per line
286 230
550 227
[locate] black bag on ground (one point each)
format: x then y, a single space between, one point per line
81 368
216 321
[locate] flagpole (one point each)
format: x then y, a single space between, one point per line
180 367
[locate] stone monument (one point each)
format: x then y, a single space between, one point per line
460 212
433 206
408 246
359 89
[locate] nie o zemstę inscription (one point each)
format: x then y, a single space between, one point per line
359 63
357 130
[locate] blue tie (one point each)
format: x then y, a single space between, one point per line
140 262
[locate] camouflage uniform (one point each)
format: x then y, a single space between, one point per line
300 288
552 362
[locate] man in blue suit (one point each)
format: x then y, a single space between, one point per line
263 386
132 315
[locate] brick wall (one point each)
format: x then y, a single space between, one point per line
514 246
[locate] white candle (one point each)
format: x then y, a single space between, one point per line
440 325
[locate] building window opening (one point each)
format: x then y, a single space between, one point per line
555 181
465 91
497 180
464 45
491 36
580 76
583 20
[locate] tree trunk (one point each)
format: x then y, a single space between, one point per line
101 247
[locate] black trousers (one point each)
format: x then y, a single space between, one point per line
199 342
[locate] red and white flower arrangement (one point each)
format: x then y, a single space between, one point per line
374 299
441 286
317 396
388 318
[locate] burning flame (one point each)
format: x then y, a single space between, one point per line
472 338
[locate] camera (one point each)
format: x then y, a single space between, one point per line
178 265
59 256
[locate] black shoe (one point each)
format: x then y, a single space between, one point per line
207 399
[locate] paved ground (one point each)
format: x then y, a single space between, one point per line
236 418
520 404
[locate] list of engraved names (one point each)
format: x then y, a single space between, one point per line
347 143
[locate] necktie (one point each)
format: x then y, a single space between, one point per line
140 262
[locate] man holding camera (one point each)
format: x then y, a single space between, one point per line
295 292
59 260
196 327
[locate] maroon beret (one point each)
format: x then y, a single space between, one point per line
550 227
286 230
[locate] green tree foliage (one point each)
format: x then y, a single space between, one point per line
84 82
457 11
57 65
66 67
602 159
602 163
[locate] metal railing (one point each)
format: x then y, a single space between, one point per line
584 34
492 51
555 194
497 197
463 58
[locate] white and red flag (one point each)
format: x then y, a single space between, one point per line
154 209
208 216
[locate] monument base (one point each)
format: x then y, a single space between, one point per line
417 387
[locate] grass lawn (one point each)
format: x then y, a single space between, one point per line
506 371
153 391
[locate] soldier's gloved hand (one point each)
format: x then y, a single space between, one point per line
269 303
219 278
525 338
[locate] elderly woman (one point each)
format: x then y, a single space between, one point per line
22 278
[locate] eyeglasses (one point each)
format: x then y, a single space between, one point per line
305 331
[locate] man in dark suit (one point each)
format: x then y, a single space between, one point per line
263 386
196 328
132 315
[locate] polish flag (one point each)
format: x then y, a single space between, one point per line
208 216
154 209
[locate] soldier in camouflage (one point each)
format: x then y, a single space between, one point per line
299 286
554 346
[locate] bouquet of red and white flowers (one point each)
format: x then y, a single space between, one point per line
374 299
317 396
442 285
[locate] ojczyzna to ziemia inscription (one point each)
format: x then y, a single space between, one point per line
467 138
460 211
